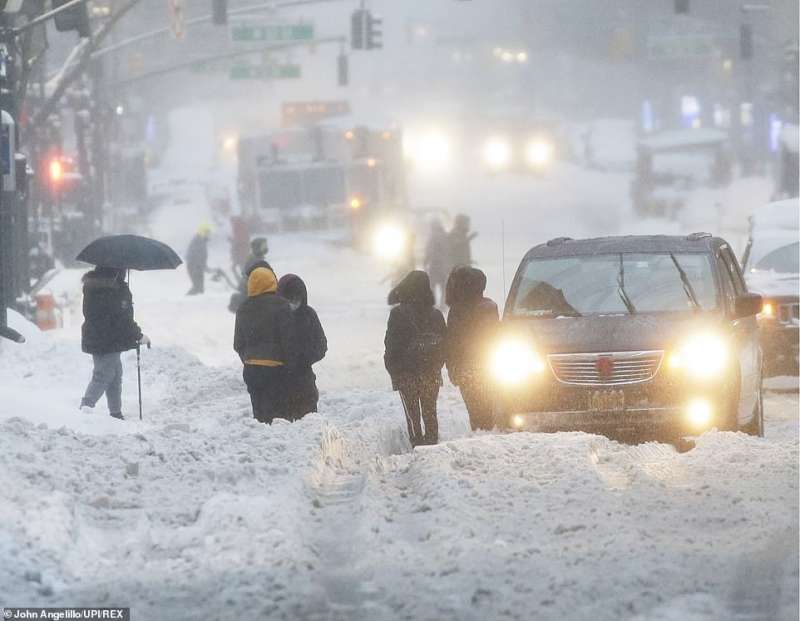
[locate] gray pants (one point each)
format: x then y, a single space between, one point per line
106 378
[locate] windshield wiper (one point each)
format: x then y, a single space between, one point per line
687 285
621 288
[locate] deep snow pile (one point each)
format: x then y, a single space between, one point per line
199 512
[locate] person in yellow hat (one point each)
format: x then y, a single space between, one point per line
265 341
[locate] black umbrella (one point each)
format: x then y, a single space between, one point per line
130 252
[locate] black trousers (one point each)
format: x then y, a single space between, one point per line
419 402
479 401
267 388
198 278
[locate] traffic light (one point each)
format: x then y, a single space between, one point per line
746 42
219 12
74 18
374 32
343 70
358 23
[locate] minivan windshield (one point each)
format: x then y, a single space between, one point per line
614 284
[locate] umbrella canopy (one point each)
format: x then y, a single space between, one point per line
130 252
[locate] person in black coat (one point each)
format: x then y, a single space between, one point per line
472 321
197 260
108 330
460 242
415 352
264 339
311 346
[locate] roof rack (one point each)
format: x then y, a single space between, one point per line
557 241
697 236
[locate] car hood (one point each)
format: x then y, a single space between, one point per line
772 284
613 333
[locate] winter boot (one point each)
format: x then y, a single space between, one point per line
117 415
85 407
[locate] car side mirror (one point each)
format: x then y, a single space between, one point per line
748 305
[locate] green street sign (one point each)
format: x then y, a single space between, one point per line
265 72
257 33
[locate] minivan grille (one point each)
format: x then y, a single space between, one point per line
606 369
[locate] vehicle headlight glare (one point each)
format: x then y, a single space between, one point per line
767 311
389 242
703 356
539 153
514 361
430 151
699 412
497 153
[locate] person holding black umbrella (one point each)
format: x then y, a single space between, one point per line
108 330
108 308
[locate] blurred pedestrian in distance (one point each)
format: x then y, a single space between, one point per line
258 251
311 346
264 339
460 242
472 321
259 248
108 329
197 259
415 354
436 259
240 244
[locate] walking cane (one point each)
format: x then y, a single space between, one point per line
139 375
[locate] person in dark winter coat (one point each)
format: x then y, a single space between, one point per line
264 339
415 352
460 242
108 329
471 323
311 346
197 260
437 259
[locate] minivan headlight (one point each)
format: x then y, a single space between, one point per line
513 361
702 356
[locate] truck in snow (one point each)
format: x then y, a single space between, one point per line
321 177
652 336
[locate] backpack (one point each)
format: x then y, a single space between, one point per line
425 351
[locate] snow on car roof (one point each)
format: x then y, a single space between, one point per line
683 138
778 215
646 244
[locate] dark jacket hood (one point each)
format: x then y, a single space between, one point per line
103 277
465 284
415 288
292 287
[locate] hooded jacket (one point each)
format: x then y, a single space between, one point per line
108 325
471 323
311 345
264 331
413 314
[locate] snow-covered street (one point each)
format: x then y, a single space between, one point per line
200 512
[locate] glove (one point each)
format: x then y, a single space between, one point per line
144 340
